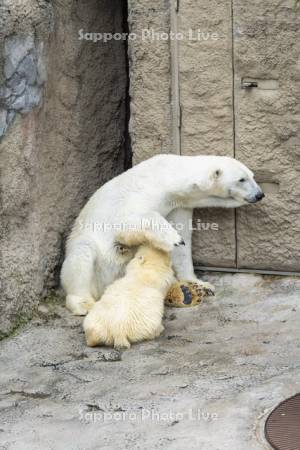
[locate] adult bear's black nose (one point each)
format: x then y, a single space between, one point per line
259 196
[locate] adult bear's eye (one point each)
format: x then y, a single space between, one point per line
242 180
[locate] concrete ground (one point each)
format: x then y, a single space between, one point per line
207 383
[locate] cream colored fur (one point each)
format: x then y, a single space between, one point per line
131 308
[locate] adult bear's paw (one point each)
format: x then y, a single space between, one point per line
184 294
208 288
79 306
166 240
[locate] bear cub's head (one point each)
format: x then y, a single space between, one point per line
152 265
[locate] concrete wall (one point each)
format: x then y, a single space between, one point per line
258 126
62 121
205 82
267 49
150 82
206 125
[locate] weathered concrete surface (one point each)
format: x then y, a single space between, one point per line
150 79
205 56
227 362
206 100
63 146
259 126
267 129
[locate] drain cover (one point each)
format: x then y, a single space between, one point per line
282 427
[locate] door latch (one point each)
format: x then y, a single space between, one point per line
247 84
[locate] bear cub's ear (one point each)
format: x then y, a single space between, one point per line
141 259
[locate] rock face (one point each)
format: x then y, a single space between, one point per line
24 78
62 122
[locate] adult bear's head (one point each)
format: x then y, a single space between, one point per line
220 181
230 179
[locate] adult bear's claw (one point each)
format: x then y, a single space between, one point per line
206 288
209 292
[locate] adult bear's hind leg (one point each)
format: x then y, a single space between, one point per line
77 278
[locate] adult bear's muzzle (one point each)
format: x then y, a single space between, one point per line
259 196
256 198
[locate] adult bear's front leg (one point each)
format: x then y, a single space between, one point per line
150 228
182 256
77 278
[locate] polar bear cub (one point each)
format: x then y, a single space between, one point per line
131 309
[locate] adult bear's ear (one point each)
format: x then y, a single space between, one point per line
217 173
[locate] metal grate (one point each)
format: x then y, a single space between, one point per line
282 428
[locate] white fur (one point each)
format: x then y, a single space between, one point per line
161 188
131 308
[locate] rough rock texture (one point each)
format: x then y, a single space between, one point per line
207 383
24 78
55 155
150 83
268 127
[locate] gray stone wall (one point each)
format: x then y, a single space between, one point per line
62 121
24 78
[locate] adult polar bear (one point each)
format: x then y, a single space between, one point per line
160 190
